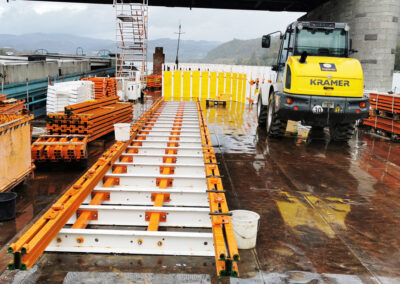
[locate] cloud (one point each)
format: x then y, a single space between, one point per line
98 21
43 8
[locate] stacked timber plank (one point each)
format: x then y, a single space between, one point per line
11 106
385 113
103 86
54 148
93 118
64 94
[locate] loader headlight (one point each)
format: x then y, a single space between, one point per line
300 26
346 28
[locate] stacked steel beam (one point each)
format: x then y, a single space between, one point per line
11 106
103 87
154 81
94 118
59 147
385 113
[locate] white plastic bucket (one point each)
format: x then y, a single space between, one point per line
245 228
122 131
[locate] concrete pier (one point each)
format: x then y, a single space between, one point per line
374 29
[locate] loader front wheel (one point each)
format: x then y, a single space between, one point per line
276 126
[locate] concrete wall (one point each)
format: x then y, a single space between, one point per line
68 67
375 27
34 70
20 72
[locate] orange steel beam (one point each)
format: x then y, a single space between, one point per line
27 249
226 252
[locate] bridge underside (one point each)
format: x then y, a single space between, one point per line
262 5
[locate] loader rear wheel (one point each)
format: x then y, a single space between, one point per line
262 113
276 126
342 132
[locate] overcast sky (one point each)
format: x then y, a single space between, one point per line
97 21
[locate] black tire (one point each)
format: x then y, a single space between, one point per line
262 113
277 127
341 132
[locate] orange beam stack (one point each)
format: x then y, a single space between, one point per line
11 106
54 148
154 81
103 86
93 118
385 113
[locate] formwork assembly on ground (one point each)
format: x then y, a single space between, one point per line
385 114
165 176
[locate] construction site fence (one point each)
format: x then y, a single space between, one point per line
207 81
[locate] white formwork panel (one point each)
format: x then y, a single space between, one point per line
133 242
136 180
180 170
170 123
186 130
123 195
169 138
162 151
164 144
193 217
151 158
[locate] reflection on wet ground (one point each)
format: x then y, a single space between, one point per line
329 212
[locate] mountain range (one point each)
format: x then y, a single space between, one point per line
233 52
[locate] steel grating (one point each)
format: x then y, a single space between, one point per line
166 176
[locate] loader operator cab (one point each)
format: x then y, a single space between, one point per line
312 39
316 81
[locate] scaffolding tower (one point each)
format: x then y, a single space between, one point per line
131 38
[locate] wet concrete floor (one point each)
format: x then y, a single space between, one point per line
329 212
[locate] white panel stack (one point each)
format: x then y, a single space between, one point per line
63 94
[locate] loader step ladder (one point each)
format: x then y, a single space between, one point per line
166 176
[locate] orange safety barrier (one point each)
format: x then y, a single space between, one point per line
92 118
28 248
56 148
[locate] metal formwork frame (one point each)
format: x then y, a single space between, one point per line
165 176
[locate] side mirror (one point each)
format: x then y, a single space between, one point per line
275 68
351 50
266 41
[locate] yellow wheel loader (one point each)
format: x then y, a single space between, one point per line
315 81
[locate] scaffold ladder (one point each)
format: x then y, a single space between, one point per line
166 176
131 37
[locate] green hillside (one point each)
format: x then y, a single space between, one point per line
243 52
